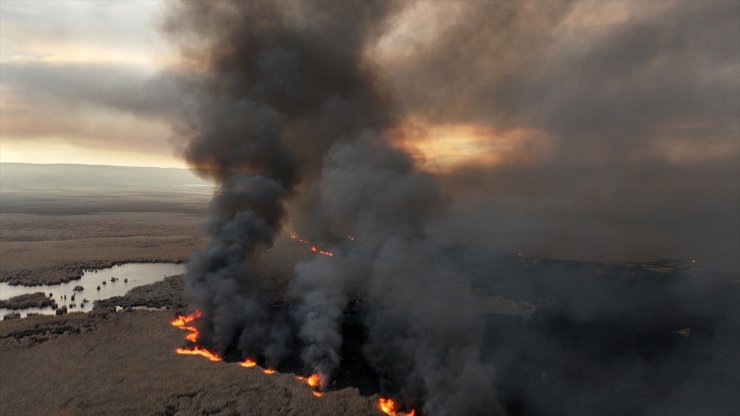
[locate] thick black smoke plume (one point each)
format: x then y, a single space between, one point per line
288 115
288 109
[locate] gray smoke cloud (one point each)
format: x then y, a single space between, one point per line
636 105
423 329
292 119
289 109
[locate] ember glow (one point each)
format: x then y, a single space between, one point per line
197 350
314 249
293 236
181 322
386 405
390 407
248 363
314 380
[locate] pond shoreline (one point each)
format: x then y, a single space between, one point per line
73 271
95 287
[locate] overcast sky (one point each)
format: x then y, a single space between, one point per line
552 117
57 60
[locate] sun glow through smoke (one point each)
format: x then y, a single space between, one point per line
446 147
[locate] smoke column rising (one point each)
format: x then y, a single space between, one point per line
286 109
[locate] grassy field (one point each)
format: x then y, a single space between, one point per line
56 220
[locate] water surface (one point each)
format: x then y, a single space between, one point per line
128 276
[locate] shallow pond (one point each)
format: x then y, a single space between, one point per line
126 276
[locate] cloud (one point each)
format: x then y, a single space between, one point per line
81 78
635 104
619 117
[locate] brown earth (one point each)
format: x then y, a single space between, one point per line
124 364
31 300
165 294
70 244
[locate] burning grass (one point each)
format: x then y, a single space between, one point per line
314 248
386 405
314 381
391 408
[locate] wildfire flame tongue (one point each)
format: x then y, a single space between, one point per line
390 407
181 322
314 380
197 350
248 363
314 249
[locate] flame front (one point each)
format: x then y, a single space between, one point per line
298 239
181 322
197 350
314 249
390 407
248 363
314 380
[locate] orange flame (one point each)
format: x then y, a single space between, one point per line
313 246
181 322
390 407
248 363
314 380
197 350
296 238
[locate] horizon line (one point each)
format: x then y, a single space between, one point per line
94 164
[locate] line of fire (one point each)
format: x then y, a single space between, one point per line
188 322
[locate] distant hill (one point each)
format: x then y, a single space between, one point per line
29 176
